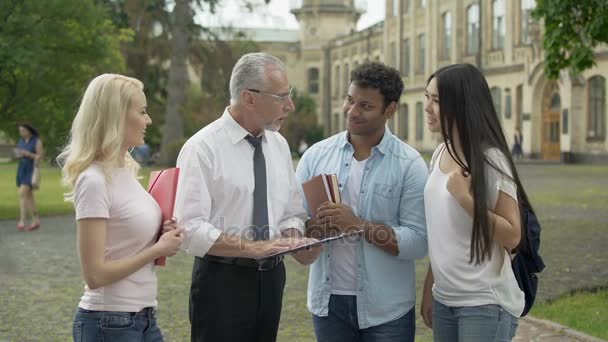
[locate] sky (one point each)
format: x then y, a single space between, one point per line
274 15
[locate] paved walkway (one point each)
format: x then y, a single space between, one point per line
537 330
59 231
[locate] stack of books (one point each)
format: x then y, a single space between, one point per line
320 189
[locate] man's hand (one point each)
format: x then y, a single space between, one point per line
308 255
339 217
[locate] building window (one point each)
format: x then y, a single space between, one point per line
404 120
392 55
391 123
497 98
526 16
473 29
447 35
596 124
395 8
507 103
336 127
421 52
406 6
422 3
346 78
337 81
313 80
419 121
406 57
498 24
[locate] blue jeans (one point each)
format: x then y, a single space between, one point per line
341 324
100 326
484 323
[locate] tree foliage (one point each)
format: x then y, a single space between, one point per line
572 29
302 123
49 50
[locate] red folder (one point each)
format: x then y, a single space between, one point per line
162 185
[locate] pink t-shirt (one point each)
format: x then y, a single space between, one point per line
133 221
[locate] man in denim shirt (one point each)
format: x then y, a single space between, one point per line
363 288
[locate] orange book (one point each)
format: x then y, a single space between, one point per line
162 185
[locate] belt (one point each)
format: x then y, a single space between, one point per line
149 311
261 265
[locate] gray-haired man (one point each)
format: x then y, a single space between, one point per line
238 200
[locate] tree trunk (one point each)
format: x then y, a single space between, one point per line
173 131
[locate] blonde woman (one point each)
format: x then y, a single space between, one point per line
117 220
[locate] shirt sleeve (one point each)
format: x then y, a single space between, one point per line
303 175
91 199
499 176
193 200
295 214
411 233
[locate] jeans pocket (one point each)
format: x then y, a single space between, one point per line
514 326
77 331
117 320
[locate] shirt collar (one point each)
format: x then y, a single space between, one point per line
382 147
235 131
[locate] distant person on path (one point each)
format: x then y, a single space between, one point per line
118 221
517 148
29 152
302 147
472 214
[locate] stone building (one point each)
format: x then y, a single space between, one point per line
563 119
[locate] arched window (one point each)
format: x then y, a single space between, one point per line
497 98
596 108
498 24
404 118
313 80
419 121
473 29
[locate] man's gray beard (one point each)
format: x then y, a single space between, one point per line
272 127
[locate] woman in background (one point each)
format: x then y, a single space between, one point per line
29 152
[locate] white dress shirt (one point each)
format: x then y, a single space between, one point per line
216 183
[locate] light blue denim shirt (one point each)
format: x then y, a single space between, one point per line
392 193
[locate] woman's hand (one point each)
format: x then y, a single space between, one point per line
459 185
169 225
169 242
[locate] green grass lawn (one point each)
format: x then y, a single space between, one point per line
49 198
41 284
583 311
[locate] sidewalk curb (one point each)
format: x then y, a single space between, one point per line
577 335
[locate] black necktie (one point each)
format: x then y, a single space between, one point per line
260 204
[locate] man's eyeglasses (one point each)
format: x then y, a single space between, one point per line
280 98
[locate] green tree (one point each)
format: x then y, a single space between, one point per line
216 58
49 50
572 29
302 123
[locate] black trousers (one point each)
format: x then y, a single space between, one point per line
235 303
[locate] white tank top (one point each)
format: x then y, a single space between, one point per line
449 227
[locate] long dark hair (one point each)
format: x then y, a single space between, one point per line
466 103
30 128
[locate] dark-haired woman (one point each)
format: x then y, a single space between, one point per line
29 152
472 214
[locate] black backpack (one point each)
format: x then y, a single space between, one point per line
527 262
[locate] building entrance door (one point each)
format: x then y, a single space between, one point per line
550 130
